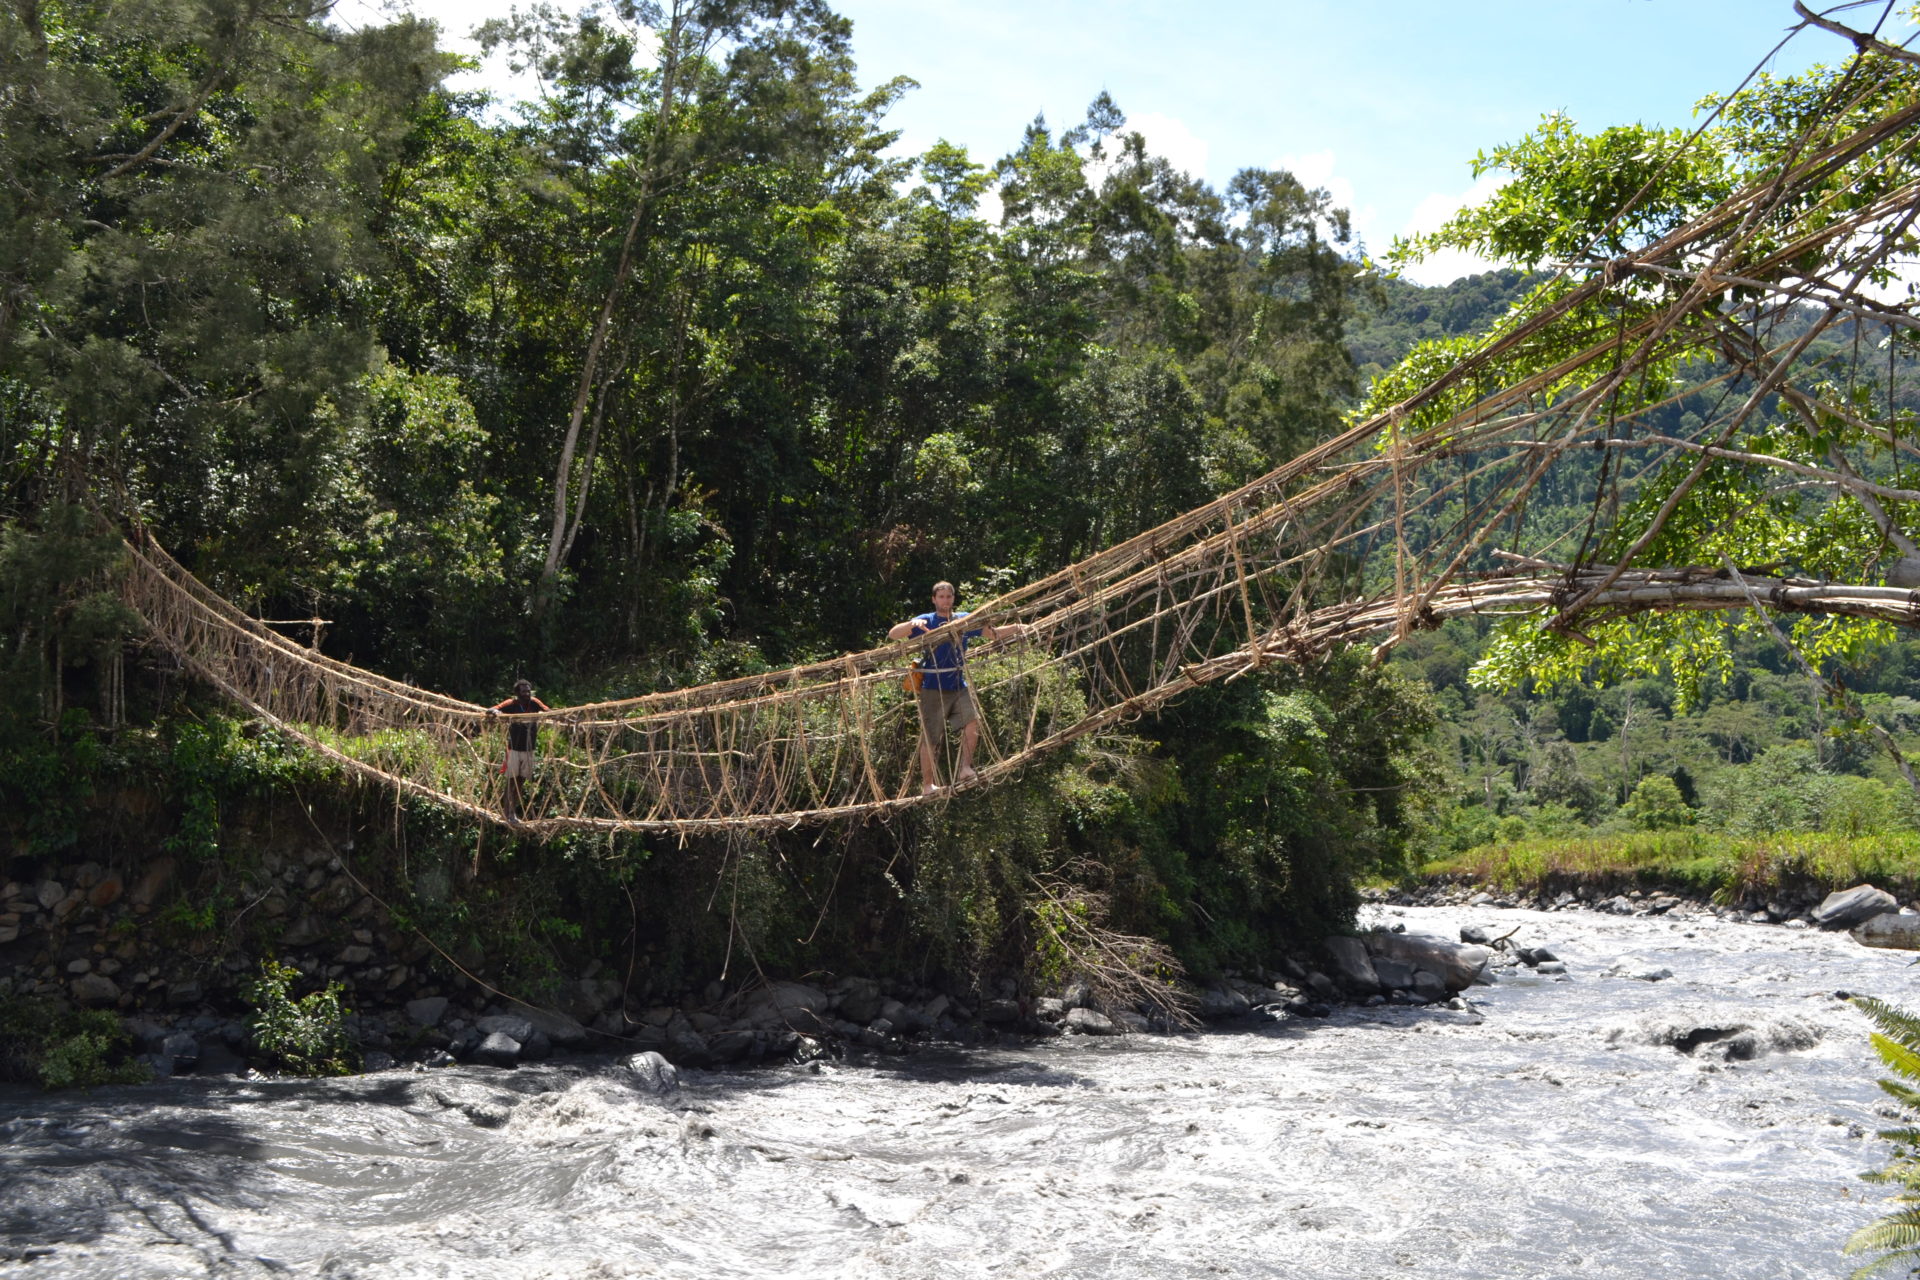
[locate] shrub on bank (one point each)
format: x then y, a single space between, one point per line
307 1036
55 1048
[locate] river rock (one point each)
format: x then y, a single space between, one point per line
1535 956
498 1049
94 989
791 1006
1430 986
150 883
1224 1002
1077 994
1089 1022
1848 907
860 999
181 1051
1895 930
1009 1010
49 894
1477 934
1638 970
1394 975
650 1073
1705 1034
558 1029
732 1046
303 932
689 1049
107 892
1551 967
1351 967
1457 965
508 1024
427 1011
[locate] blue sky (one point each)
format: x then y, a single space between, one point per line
1383 102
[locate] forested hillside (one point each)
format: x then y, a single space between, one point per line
670 373
1754 748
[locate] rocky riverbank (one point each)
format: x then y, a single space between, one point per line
1794 907
88 935
93 936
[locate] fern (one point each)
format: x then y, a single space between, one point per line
1895 1239
1895 1024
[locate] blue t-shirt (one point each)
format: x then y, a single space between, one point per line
942 666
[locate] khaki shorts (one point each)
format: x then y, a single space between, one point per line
519 764
942 710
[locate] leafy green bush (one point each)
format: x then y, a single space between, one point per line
308 1036
1657 805
56 1048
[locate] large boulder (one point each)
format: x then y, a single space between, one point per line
689 1049
498 1050
1846 908
860 1000
1219 1001
787 1006
1458 966
1900 932
508 1024
1395 975
557 1027
1351 967
650 1073
1089 1022
94 989
427 1010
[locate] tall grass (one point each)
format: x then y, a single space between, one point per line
1703 863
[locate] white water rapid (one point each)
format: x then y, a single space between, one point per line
1709 1124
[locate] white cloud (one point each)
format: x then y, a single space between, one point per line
457 20
991 209
1316 169
1170 139
1448 265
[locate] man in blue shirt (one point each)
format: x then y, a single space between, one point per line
946 703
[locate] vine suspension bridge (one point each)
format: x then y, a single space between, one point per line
1387 528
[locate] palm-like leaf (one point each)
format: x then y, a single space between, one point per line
1896 1237
1895 1024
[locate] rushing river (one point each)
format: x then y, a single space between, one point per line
1551 1130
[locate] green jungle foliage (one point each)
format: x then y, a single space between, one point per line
305 1036
673 373
666 375
60 1048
